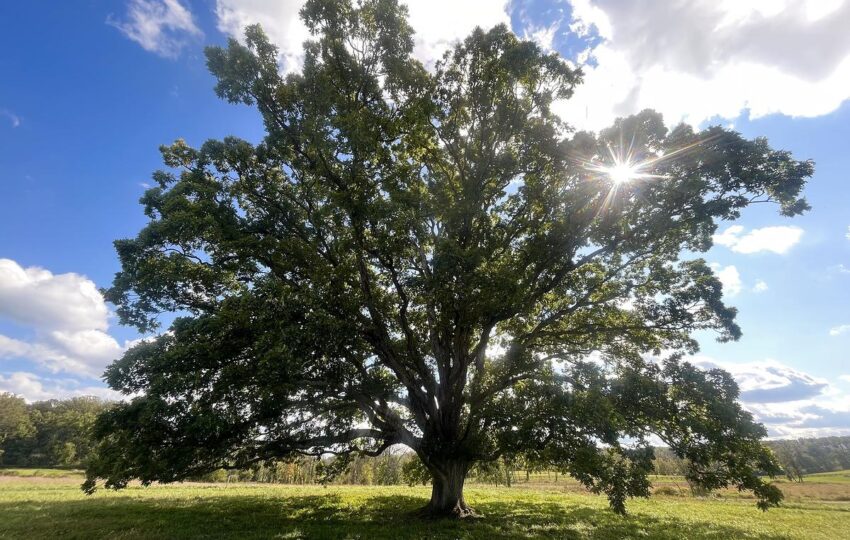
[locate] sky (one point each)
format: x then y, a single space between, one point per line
90 89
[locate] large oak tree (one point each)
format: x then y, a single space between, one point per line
432 258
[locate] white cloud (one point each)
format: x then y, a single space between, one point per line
66 315
760 286
730 278
778 239
789 402
438 23
733 285
845 378
159 26
34 296
839 268
838 330
802 419
701 59
768 381
34 388
544 36
279 19
847 234
14 119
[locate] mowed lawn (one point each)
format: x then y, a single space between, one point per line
54 507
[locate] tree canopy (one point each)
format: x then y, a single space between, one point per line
14 420
51 433
433 258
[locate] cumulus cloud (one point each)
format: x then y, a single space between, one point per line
760 286
438 23
790 402
816 416
65 314
730 278
698 60
693 61
279 19
769 381
34 388
838 330
34 296
807 420
777 239
544 36
162 27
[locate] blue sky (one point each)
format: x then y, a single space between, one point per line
90 89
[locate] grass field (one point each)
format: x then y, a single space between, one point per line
50 505
837 477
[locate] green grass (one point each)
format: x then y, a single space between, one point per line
836 477
44 473
55 508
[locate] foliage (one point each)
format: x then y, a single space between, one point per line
426 259
394 468
386 469
14 419
493 472
807 456
57 433
414 472
796 457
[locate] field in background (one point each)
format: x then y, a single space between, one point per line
48 504
837 477
44 473
832 486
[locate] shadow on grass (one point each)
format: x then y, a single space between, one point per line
331 516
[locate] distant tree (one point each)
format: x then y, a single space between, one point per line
414 472
666 462
427 258
813 455
791 459
388 467
14 419
58 433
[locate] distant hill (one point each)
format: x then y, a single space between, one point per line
798 457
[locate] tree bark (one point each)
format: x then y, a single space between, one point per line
447 491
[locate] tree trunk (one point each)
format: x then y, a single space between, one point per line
447 491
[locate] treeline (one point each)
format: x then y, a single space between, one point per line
57 433
798 457
390 468
52 433
393 467
809 456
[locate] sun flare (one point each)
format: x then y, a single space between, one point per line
622 172
623 168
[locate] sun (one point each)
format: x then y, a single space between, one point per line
620 173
